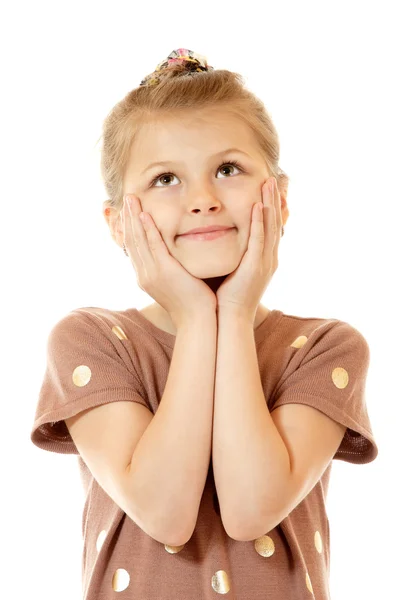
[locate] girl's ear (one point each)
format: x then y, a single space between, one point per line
114 222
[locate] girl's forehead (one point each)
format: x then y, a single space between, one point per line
211 133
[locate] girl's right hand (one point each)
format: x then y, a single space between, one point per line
158 273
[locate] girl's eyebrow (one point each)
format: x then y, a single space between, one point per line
170 162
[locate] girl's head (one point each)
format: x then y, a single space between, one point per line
192 123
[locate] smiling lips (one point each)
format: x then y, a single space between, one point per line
207 235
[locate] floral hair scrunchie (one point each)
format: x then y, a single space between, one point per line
188 58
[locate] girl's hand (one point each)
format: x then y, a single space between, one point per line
158 273
242 290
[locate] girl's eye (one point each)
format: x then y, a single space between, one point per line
232 163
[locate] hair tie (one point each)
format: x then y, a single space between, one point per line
182 56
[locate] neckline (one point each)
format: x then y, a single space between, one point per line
168 339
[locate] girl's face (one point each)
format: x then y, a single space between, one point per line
197 186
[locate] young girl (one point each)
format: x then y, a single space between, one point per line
205 425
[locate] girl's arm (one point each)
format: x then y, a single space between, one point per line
170 464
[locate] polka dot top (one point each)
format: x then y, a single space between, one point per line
96 356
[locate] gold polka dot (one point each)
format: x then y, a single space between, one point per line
100 539
173 549
340 377
264 545
81 375
220 582
308 583
120 333
120 580
299 341
318 541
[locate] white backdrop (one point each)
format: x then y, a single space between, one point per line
328 75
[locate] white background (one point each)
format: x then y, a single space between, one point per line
328 74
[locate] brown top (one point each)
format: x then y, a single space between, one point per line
127 358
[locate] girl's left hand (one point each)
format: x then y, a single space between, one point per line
242 290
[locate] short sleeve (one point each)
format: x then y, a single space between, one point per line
87 365
331 376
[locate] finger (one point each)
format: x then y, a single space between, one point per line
135 237
277 206
256 236
155 240
277 219
269 219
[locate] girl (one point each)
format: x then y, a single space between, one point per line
205 425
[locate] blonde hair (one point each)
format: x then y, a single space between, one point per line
177 91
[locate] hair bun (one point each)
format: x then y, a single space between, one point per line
182 56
